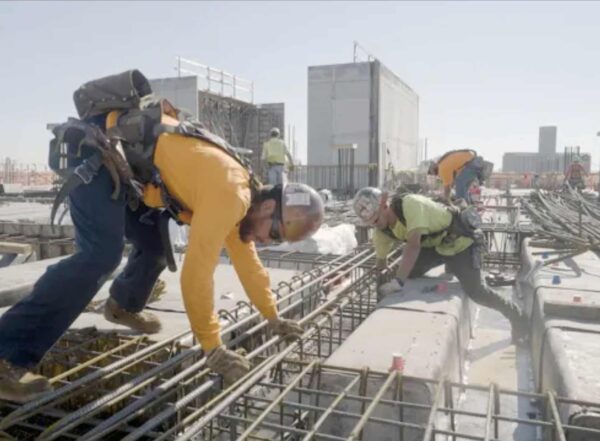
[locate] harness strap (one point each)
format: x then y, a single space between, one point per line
194 130
82 174
163 228
465 222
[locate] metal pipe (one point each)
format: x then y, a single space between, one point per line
556 417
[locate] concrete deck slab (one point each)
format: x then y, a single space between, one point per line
16 281
169 308
27 211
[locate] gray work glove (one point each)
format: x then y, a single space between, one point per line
288 329
391 287
229 364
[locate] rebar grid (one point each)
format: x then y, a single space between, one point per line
330 323
127 382
338 403
567 221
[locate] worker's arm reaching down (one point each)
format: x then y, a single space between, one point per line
252 274
289 157
207 236
208 233
216 217
410 254
257 284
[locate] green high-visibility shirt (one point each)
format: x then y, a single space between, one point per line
275 151
428 217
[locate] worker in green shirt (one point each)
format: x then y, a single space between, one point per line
275 155
434 235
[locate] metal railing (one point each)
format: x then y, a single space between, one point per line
217 81
342 180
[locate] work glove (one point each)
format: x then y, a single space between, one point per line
229 364
288 329
391 287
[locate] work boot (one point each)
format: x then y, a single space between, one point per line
139 321
19 385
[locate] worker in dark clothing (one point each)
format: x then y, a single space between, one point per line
575 174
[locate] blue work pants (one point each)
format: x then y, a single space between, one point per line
34 324
276 174
469 173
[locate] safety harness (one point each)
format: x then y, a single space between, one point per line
135 119
466 222
465 219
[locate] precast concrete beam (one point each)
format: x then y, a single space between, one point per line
430 331
563 302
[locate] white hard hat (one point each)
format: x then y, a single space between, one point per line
366 204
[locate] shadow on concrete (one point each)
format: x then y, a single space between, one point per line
484 351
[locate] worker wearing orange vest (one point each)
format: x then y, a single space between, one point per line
458 169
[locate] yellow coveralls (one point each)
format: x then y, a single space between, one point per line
215 189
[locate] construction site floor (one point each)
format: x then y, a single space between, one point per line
492 358
169 306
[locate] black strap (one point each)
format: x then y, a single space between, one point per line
163 228
196 130
82 174
398 209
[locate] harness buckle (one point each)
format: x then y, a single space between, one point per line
88 169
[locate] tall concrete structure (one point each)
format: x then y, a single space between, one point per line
241 123
361 116
547 140
546 159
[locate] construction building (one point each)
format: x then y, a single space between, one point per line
363 123
224 103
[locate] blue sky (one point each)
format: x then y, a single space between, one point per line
488 73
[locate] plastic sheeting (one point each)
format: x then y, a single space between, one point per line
340 239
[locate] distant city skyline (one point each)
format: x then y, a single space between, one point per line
488 74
